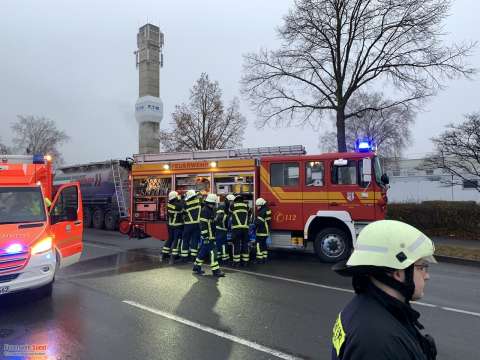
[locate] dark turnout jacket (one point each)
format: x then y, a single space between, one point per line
376 326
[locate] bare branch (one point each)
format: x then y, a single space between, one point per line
332 49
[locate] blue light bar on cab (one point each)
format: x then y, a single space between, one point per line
38 159
364 145
14 249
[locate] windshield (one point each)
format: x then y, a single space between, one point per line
21 205
378 170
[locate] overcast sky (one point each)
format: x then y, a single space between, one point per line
72 61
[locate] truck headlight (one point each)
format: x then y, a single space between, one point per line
42 246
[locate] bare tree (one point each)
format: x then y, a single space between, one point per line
457 152
331 49
389 128
38 135
204 123
3 148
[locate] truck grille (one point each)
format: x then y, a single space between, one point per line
12 262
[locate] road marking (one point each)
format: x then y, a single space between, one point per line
349 291
460 311
236 339
293 280
424 304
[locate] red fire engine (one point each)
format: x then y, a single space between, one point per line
319 203
36 237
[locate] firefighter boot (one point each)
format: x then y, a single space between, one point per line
218 273
198 270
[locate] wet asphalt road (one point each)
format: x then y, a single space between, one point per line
121 302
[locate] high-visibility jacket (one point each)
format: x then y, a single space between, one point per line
262 221
192 211
175 213
207 223
240 216
221 219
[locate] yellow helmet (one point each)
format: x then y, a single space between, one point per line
190 194
260 202
211 198
391 244
172 195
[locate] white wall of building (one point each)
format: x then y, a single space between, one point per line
421 188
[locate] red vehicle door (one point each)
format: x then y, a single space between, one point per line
348 192
315 189
281 186
66 222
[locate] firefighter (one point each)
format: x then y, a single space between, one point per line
262 229
389 268
175 225
240 236
222 219
191 229
207 247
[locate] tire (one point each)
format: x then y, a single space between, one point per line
111 220
98 218
87 217
332 245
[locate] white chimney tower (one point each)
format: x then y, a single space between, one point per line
149 106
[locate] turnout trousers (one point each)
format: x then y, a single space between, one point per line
240 240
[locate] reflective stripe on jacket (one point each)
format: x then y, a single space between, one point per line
174 211
192 211
262 222
207 218
221 219
240 216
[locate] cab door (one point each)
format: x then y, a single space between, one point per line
281 186
66 223
349 192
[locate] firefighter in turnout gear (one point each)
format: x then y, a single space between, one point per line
191 229
222 218
240 237
389 268
175 225
207 247
262 229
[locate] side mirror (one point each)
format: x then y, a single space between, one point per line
384 179
340 162
366 170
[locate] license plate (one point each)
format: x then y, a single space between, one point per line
4 290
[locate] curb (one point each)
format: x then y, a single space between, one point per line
457 260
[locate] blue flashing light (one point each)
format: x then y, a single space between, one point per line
364 145
38 159
14 249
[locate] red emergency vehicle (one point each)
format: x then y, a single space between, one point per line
37 236
319 202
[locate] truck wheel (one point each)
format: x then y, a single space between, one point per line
98 218
332 245
111 220
87 217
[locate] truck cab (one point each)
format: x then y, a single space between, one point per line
321 202
37 235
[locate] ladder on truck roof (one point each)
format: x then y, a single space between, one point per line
119 189
221 154
21 159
